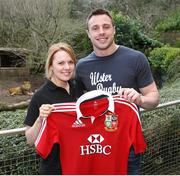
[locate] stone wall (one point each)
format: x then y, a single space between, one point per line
13 72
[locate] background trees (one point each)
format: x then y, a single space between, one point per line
36 24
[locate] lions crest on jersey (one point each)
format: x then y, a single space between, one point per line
111 122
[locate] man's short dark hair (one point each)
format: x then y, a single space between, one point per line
99 12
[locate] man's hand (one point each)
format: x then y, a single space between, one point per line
148 98
131 95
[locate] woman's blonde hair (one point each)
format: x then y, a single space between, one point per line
52 50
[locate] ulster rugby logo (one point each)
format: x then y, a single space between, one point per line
111 122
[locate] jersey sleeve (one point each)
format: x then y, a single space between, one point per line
137 137
46 139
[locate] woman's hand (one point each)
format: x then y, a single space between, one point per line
33 131
45 110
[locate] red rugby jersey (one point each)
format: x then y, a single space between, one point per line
94 136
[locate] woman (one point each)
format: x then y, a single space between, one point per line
58 88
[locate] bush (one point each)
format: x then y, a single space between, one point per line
173 71
80 42
12 119
130 33
171 23
162 61
170 91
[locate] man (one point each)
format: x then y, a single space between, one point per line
116 69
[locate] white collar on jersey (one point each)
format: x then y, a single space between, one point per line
90 95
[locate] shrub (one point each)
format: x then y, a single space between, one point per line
80 42
173 71
130 33
12 119
171 23
162 60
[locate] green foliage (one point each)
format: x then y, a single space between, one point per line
2 105
36 62
171 23
35 25
80 42
173 71
12 119
170 91
163 60
129 33
125 29
177 44
14 35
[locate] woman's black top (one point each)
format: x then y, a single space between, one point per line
49 93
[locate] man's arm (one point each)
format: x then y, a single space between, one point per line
147 99
150 97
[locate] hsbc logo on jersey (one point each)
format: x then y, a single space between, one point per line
95 138
95 146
